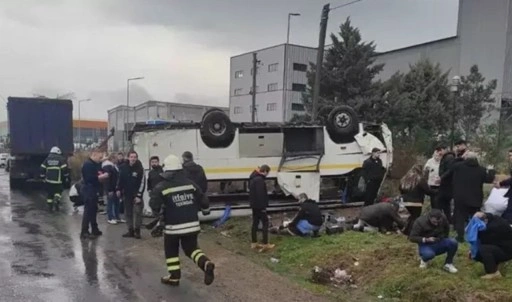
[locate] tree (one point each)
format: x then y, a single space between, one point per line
471 102
415 104
348 69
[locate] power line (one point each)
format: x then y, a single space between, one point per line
346 4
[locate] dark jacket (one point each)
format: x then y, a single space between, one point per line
181 199
154 177
444 166
468 180
381 214
132 181
54 169
373 169
195 173
498 232
258 194
422 228
310 211
92 185
508 183
113 176
508 211
417 194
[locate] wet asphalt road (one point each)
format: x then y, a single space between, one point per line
43 259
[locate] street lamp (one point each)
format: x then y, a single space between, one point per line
454 87
128 105
80 123
288 32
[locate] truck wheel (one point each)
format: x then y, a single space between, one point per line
217 131
343 121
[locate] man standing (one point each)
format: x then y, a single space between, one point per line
194 172
432 171
54 171
108 166
258 198
445 193
373 174
431 232
123 167
181 199
92 176
461 147
132 185
154 176
468 180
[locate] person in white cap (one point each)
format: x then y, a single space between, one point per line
180 200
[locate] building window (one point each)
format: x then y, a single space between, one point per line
238 91
271 106
237 110
272 87
300 67
273 67
239 74
297 107
298 87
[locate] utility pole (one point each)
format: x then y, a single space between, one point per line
254 72
319 59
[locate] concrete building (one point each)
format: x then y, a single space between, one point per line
89 131
123 117
280 82
483 38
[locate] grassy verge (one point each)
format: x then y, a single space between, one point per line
383 267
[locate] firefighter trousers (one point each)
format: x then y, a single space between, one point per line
190 247
53 192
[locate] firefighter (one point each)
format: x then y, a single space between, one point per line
180 201
54 171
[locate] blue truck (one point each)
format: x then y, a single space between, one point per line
35 126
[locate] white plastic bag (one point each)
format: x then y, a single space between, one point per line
496 203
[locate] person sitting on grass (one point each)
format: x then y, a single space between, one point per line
308 220
494 243
431 233
381 216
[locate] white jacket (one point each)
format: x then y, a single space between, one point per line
432 167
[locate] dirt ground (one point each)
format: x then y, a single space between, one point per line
240 279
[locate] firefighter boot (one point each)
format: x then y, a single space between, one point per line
56 202
209 273
130 234
136 234
169 281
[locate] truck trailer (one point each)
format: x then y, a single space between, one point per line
303 157
35 126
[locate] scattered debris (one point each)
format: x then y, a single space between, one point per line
336 277
274 260
225 234
356 263
381 297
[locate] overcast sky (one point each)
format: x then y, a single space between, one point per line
181 47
